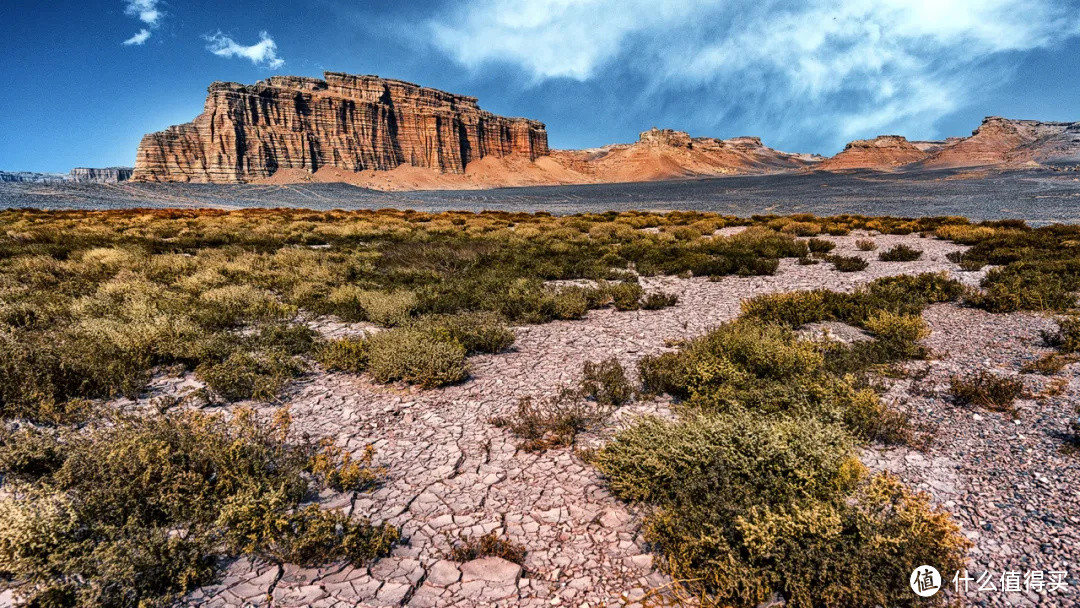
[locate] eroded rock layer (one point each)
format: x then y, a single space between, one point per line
352 123
107 175
883 152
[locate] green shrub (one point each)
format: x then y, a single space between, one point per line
344 355
244 375
140 508
807 261
745 508
571 303
865 245
488 545
605 382
658 300
664 373
987 390
626 296
552 421
900 253
383 308
898 335
820 246
845 263
413 357
476 332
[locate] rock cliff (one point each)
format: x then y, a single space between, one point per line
346 122
31 177
108 175
884 152
1012 143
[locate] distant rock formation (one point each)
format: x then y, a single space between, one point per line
884 152
108 175
351 123
998 142
31 176
668 154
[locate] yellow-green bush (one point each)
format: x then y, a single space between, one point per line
745 507
476 332
414 357
346 355
136 511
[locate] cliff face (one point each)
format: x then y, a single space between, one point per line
352 123
31 177
883 153
108 175
1003 141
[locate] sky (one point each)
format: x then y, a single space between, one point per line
85 80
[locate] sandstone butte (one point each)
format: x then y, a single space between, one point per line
394 135
353 123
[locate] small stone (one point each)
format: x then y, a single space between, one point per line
491 569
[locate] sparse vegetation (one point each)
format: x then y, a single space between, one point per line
488 545
135 511
865 245
551 421
900 253
987 390
846 263
820 246
606 383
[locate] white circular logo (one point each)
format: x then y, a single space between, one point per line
925 581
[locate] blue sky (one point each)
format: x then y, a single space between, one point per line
85 80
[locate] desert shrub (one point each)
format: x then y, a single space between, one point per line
292 339
383 308
626 296
1067 336
801 228
139 509
845 263
488 545
664 373
605 382
900 253
1049 364
987 390
820 246
571 303
898 335
552 421
476 332
344 355
29 453
745 507
658 299
413 357
335 468
245 375
865 245
807 261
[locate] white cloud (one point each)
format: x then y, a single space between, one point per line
848 68
263 52
146 11
140 37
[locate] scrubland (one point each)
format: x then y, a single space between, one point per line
753 489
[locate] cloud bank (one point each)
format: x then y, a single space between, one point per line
262 53
838 69
146 11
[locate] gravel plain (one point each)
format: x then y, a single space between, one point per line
1039 196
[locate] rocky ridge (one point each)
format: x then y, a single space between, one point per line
882 152
352 123
108 175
